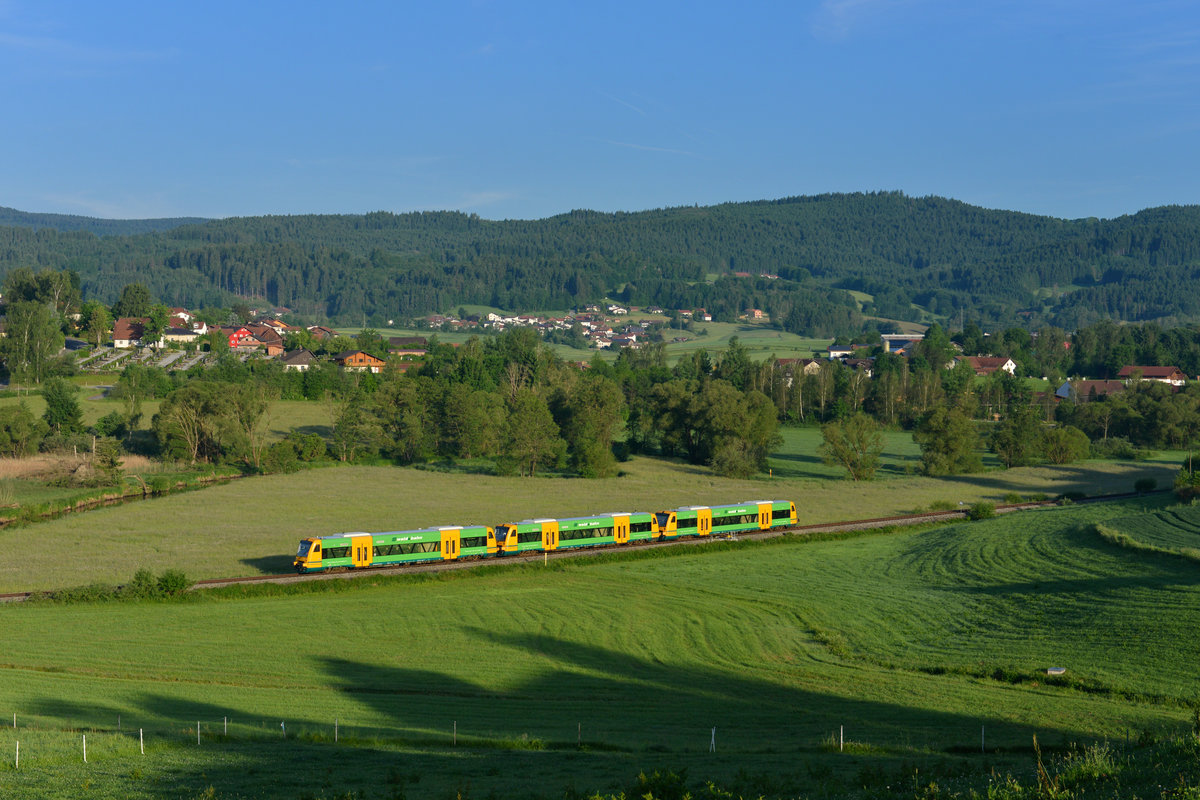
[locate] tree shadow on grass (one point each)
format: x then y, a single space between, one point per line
649 705
270 565
1066 480
324 431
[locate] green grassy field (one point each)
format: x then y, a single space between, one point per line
760 340
284 415
253 525
889 637
1174 530
799 457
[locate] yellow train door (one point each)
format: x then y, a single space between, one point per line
360 551
704 522
764 516
620 530
450 542
550 535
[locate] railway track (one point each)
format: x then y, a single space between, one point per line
823 527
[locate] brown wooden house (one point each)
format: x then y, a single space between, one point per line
358 361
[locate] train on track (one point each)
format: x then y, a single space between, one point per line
454 542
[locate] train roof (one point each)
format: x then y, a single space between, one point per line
438 529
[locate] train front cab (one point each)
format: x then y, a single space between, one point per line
528 535
308 556
686 521
317 554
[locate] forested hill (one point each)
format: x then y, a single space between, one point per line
96 225
916 256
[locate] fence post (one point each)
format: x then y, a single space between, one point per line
841 737
85 748
141 742
197 731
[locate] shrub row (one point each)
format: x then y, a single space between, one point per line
143 586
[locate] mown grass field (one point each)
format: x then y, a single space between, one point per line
253 525
775 645
1175 530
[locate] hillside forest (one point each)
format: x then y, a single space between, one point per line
800 258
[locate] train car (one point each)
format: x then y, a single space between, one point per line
751 515
558 534
360 550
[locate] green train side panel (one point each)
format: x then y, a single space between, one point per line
779 520
406 547
474 532
643 520
741 517
585 531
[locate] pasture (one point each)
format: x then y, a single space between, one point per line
759 339
575 676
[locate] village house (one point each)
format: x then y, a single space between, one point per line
321 333
268 338
236 334
986 365
358 361
127 332
130 332
1172 376
180 335
895 342
863 365
1084 391
298 360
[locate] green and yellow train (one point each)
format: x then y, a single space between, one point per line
453 542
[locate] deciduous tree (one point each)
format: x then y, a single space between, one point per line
854 444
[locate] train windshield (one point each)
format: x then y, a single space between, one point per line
663 517
303 551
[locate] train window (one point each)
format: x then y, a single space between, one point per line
474 541
685 522
781 513
639 527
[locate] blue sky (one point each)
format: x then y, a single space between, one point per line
522 109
